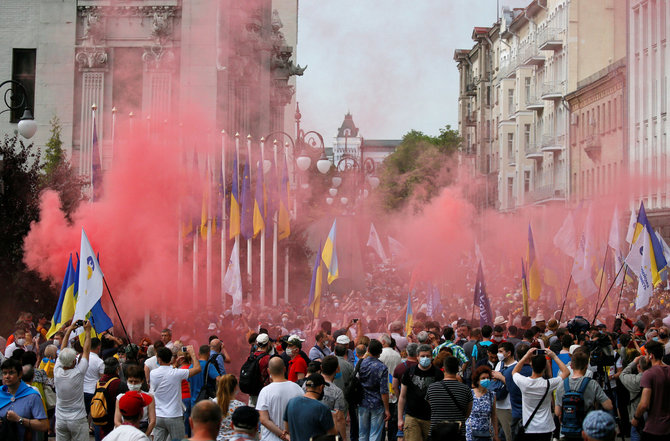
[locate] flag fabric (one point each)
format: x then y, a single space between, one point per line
524 289
96 167
631 227
395 247
482 300
232 281
259 201
98 317
376 244
664 245
409 314
614 241
234 228
246 221
66 301
90 280
329 254
316 285
283 217
534 279
272 199
658 262
434 302
582 264
479 256
640 262
565 237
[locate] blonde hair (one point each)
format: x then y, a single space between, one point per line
225 392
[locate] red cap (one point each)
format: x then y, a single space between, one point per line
132 403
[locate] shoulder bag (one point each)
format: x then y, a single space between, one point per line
520 430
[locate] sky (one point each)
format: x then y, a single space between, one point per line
389 62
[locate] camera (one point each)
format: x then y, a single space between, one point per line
184 349
79 323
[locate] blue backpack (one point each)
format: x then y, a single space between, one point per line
573 409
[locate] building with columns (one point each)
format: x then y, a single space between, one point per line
157 60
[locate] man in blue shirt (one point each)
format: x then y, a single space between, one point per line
306 416
374 409
218 350
20 404
197 381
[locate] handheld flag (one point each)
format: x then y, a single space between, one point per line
524 289
395 247
90 280
66 301
247 227
284 218
329 254
232 281
485 313
640 262
376 244
96 167
235 203
658 263
581 267
259 201
315 287
409 315
565 237
534 280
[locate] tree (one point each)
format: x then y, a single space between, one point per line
418 169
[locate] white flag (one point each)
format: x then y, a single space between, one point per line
90 280
376 244
631 227
581 268
614 242
639 261
478 255
395 247
565 237
232 281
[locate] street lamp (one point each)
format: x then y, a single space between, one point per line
27 125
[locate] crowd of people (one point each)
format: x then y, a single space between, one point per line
366 378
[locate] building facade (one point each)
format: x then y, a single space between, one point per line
151 62
350 144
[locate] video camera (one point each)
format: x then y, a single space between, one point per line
578 325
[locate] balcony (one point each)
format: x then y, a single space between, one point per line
534 103
534 151
549 39
471 89
508 70
552 91
592 147
551 143
469 119
531 56
546 193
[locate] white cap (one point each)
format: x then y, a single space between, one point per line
343 340
211 327
262 339
573 348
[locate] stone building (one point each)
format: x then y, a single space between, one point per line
350 143
157 60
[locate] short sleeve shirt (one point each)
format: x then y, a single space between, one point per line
307 418
657 378
166 388
532 391
592 393
296 365
333 397
70 390
417 382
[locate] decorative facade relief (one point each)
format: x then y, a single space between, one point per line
91 58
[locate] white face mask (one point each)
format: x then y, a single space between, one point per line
289 352
135 387
501 357
20 341
57 343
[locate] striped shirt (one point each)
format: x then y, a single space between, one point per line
443 407
455 349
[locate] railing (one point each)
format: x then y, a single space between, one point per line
548 35
507 68
470 88
548 140
546 192
534 147
552 88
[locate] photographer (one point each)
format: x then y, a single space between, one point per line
630 378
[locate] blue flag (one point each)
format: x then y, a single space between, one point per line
482 300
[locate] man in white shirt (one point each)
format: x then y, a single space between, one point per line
151 363
19 342
534 392
272 401
96 367
71 421
166 388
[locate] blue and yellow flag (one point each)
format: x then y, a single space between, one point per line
658 262
259 201
524 289
204 213
246 221
272 197
99 319
235 203
409 314
284 217
534 279
316 286
66 301
329 254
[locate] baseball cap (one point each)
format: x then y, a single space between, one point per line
211 327
262 339
245 417
295 340
315 380
342 340
599 425
132 403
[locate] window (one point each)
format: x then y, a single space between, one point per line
510 192
510 100
526 136
510 147
526 181
488 95
23 71
527 86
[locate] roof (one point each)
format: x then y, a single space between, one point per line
381 144
479 31
348 123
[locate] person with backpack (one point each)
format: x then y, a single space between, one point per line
576 396
203 384
103 403
254 373
499 386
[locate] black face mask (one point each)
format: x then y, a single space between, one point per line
321 395
662 336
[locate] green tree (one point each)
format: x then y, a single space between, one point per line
418 169
54 150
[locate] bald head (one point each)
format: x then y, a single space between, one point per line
215 345
276 366
206 419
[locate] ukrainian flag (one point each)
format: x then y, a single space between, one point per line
315 287
66 301
235 203
534 280
658 263
409 315
524 289
329 254
284 218
99 319
246 221
259 200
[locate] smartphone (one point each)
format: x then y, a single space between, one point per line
541 352
79 323
184 349
355 320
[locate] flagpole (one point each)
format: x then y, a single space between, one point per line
224 251
612 286
565 298
621 292
249 241
196 239
116 309
275 231
602 276
286 251
237 156
113 132
262 232
208 182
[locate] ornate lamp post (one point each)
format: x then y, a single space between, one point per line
17 101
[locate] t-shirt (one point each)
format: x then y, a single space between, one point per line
126 433
506 402
443 407
166 388
96 367
317 353
482 344
657 378
532 390
70 391
198 380
307 418
565 358
513 389
273 398
295 366
151 363
417 382
592 393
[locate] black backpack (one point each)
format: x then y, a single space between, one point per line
208 389
353 391
250 375
482 352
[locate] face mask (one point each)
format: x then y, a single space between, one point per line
20 341
424 362
497 339
501 356
655 338
485 383
57 343
122 360
289 352
135 387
